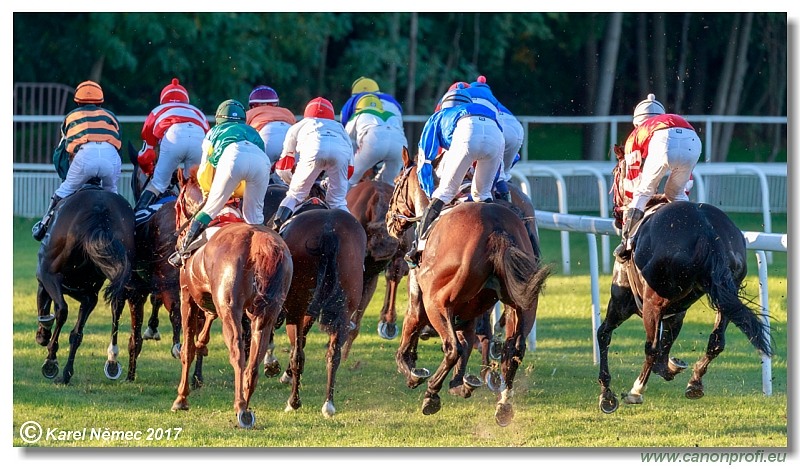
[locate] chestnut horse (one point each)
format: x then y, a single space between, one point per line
90 242
477 253
682 252
242 270
328 248
368 201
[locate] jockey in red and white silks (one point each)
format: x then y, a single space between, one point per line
177 129
378 137
315 144
661 143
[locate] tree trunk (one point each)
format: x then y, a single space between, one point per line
605 88
476 41
723 88
737 86
660 59
641 53
589 83
394 37
411 90
321 69
453 57
97 69
682 72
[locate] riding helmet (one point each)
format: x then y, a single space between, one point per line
319 108
647 109
262 95
88 92
455 97
230 110
174 93
365 85
369 101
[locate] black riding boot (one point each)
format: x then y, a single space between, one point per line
431 212
145 200
40 228
176 259
280 217
632 218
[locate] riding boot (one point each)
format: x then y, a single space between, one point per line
632 218
176 259
280 217
145 200
40 228
431 212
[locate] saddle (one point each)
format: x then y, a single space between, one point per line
143 216
312 203
227 216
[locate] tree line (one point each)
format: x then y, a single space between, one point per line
559 64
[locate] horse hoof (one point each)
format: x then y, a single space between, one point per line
50 369
150 334
47 321
495 382
328 410
246 419
504 414
291 406
421 373
472 382
608 404
694 392
426 333
495 350
272 369
431 405
180 404
676 365
285 378
113 370
176 351
632 398
387 331
353 326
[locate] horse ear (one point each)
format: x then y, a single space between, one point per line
179 175
407 160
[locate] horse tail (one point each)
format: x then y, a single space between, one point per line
329 299
109 255
523 276
271 272
726 297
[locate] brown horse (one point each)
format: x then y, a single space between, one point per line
476 254
242 270
328 248
90 242
368 201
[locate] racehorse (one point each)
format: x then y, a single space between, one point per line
90 241
368 201
242 270
328 248
477 253
682 252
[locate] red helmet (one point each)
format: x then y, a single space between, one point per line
319 107
174 93
263 95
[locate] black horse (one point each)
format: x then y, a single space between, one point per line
682 252
90 242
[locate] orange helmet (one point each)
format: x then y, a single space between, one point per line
319 107
174 93
88 92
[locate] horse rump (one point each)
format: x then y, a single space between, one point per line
329 302
107 252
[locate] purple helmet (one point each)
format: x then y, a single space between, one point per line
263 94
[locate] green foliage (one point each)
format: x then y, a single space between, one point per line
556 392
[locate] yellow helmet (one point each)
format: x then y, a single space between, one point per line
369 101
365 85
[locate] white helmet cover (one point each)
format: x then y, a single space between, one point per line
646 109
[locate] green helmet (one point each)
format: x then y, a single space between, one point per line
230 110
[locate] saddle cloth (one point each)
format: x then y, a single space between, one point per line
144 215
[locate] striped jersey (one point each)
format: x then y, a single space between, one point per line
90 123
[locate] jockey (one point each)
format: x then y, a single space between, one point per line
271 121
659 143
368 85
173 136
513 133
322 145
377 136
233 154
89 147
468 133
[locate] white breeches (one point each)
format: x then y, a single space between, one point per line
94 159
182 145
331 155
380 144
241 161
273 135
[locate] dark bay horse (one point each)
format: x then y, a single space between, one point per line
368 201
90 241
243 270
327 247
682 252
477 254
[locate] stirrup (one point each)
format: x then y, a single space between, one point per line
622 252
412 259
176 259
38 231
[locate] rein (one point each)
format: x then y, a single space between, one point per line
180 209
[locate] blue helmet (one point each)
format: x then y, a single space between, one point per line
456 97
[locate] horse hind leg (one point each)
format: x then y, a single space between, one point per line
151 333
189 313
136 307
87 304
716 344
337 341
